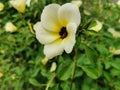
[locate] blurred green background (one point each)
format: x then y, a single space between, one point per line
94 63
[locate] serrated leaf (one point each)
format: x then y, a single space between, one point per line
66 71
35 72
65 85
34 82
79 72
55 87
102 49
116 64
91 54
107 76
92 70
114 72
92 24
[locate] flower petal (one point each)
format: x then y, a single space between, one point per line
53 49
69 42
45 36
19 5
49 18
69 13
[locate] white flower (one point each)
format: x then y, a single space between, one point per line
19 5
77 2
28 3
1 6
53 67
36 25
10 27
97 27
114 33
118 3
57 28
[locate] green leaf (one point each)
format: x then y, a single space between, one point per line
114 72
35 73
102 49
34 82
116 64
65 71
79 72
83 60
91 54
65 85
92 24
107 76
93 71
55 87
117 84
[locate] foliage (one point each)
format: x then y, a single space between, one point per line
90 66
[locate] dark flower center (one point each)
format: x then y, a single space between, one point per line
63 33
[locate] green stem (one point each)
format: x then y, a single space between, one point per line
49 83
73 76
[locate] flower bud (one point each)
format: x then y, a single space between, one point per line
97 27
1 75
10 27
53 67
1 6
44 61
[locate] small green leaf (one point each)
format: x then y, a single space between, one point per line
55 87
116 64
102 49
114 72
91 54
34 82
107 76
65 85
92 24
117 84
35 72
93 71
66 70
79 72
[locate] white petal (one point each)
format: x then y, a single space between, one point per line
28 2
53 49
69 13
35 26
19 5
49 17
78 3
69 42
45 36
